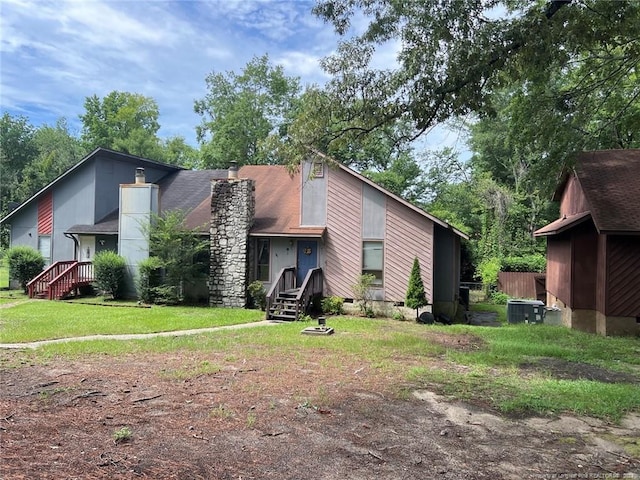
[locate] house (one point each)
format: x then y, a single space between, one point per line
324 224
593 249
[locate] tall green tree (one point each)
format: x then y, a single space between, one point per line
17 149
122 121
58 150
241 111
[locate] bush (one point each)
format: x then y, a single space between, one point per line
525 263
149 279
257 295
109 270
499 298
332 305
24 264
363 293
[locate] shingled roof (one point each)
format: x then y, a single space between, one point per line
610 180
186 190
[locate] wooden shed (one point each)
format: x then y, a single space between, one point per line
593 249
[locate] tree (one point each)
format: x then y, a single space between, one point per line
416 297
454 55
179 251
58 151
241 111
17 149
122 121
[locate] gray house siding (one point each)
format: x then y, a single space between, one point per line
73 203
446 269
84 195
24 230
109 175
313 197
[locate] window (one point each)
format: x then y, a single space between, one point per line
44 247
372 260
262 261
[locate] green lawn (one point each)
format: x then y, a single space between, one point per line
42 319
481 365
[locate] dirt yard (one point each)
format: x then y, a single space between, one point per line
282 416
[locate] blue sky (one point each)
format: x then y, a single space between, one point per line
55 54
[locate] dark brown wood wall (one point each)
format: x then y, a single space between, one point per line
559 267
584 252
573 199
522 285
623 276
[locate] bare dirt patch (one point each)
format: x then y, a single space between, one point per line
281 415
568 370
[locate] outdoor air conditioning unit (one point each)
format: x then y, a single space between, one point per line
525 311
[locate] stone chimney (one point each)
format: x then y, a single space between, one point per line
232 213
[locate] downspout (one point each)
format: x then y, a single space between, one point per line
76 249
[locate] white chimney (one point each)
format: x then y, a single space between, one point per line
140 175
233 171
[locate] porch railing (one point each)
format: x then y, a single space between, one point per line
311 286
76 275
40 283
286 281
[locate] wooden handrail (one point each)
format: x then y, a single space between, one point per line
286 281
311 286
41 281
76 274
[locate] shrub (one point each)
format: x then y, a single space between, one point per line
415 297
499 298
333 305
149 279
24 264
488 271
257 295
524 263
363 293
109 270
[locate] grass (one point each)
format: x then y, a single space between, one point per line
487 373
40 320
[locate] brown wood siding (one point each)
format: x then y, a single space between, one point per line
45 214
573 199
343 241
408 235
585 266
559 267
602 275
521 284
623 288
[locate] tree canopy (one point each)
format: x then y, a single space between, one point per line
241 111
122 121
453 56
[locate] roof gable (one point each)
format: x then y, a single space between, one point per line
134 160
610 180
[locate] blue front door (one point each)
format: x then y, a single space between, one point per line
307 259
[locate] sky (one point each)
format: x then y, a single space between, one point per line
54 54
